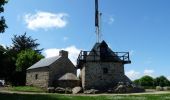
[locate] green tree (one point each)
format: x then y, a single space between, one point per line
10 58
161 81
24 60
146 81
27 58
3 25
137 81
22 42
7 63
2 56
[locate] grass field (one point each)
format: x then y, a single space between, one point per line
69 97
34 93
25 89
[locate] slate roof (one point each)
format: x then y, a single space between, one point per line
45 62
68 76
109 54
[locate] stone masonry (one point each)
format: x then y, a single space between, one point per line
101 68
47 71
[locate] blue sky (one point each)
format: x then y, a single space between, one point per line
138 26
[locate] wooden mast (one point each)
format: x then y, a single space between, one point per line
97 24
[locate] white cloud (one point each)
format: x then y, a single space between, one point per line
132 74
45 20
111 20
148 72
73 53
3 45
168 78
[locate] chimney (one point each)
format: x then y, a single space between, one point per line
63 53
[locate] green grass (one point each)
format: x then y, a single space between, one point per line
26 89
69 97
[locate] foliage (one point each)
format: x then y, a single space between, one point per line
24 60
149 82
146 81
21 55
161 81
7 66
27 58
3 25
7 63
26 89
22 42
2 56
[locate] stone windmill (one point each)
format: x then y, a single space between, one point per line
101 68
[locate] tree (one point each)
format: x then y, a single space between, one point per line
27 58
7 67
2 56
161 81
22 42
146 81
10 58
8 64
3 25
137 81
24 60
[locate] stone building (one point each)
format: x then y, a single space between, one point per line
101 68
52 72
68 80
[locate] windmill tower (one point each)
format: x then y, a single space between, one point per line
101 68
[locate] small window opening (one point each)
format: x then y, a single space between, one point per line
36 76
105 70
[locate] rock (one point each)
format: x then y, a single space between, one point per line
50 90
120 89
91 91
77 90
60 90
159 88
166 88
68 91
128 88
110 90
121 83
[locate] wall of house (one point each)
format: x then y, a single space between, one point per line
59 68
37 77
102 75
68 83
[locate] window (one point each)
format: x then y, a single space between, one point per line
105 70
36 76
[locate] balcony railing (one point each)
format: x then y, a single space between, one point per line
90 56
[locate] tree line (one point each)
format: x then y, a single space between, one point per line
150 82
16 58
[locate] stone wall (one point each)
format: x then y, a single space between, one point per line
102 75
48 76
59 68
37 77
68 83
